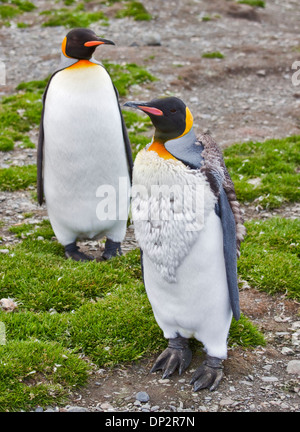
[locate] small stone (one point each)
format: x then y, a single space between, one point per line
261 73
155 408
106 406
243 11
293 367
287 351
269 379
142 396
39 409
8 304
4 251
152 39
77 409
226 401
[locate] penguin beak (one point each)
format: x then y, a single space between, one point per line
99 41
143 106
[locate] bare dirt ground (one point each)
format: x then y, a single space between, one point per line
247 95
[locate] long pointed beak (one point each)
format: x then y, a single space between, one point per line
144 106
99 41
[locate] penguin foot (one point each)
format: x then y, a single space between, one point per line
112 249
177 355
72 251
208 375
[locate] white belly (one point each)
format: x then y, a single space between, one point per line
197 304
84 149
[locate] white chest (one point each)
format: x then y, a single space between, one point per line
169 207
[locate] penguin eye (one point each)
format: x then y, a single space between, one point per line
173 110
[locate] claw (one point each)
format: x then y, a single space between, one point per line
177 355
208 375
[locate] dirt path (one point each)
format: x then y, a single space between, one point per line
247 95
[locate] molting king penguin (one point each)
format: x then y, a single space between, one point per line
83 144
189 259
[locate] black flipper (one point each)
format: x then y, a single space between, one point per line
230 255
126 139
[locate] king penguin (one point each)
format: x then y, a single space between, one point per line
189 227
83 147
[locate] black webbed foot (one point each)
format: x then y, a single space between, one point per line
112 249
72 252
177 355
208 375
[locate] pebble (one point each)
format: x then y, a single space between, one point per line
76 409
106 406
154 408
269 379
287 351
226 401
142 396
293 367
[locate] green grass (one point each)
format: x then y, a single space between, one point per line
19 113
213 55
125 76
135 10
17 178
137 125
73 18
272 165
37 373
9 9
270 256
66 309
6 144
254 3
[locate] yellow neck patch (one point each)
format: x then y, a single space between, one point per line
159 148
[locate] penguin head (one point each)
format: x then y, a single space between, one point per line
170 117
81 43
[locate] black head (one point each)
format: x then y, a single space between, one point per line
170 116
81 43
